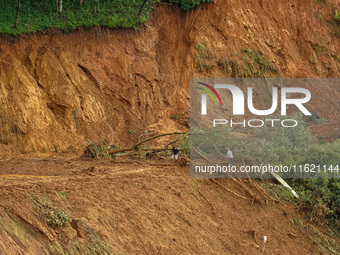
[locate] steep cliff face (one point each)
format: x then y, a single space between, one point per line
60 90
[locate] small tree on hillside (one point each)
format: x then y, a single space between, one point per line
17 15
59 6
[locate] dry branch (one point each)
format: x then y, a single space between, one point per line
245 189
176 140
194 149
213 207
134 147
229 190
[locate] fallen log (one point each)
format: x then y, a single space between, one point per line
200 154
280 180
134 147
174 141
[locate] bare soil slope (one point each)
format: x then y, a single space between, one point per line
59 90
143 208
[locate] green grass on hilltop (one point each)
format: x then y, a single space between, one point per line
36 15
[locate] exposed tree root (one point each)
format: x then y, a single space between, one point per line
246 189
213 207
228 189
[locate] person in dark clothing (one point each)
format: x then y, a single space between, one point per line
175 153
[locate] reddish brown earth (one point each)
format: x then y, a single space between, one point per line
60 91
142 208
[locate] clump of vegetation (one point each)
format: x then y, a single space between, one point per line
96 150
319 192
188 4
279 192
38 15
184 144
321 198
336 17
174 117
264 145
98 246
29 16
249 63
204 56
62 194
258 65
334 23
314 118
313 59
321 57
53 216
131 131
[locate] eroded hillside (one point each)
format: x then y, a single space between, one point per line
143 208
60 91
